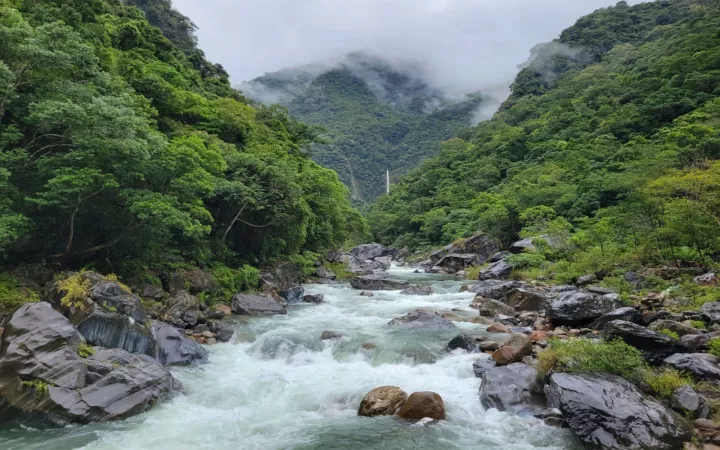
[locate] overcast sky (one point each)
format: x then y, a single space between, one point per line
464 45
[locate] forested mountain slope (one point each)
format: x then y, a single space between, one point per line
608 145
122 148
377 116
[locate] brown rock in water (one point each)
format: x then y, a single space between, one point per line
382 401
328 335
225 309
497 327
513 350
423 404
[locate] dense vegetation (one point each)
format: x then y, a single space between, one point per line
607 148
122 148
377 117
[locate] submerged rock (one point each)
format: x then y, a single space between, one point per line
256 305
422 319
313 298
608 412
174 349
42 373
377 282
329 335
421 405
293 294
463 341
514 388
382 401
418 290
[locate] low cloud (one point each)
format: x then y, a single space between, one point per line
459 46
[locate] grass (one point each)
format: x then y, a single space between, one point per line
593 356
85 350
40 387
714 347
670 333
472 273
665 382
340 270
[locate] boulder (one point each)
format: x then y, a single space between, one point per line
383 262
482 245
418 290
358 266
282 276
688 402
183 310
377 282
174 349
499 270
521 246
585 280
494 289
422 319
608 412
199 281
455 262
114 330
464 342
513 350
151 291
654 346
699 341
329 335
498 327
255 305
325 273
367 251
482 366
499 256
708 279
626 313
293 294
695 364
491 308
366 294
515 388
335 256
42 373
674 326
711 311
382 401
421 405
222 330
526 300
313 298
578 308
437 255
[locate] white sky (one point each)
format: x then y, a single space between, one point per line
464 45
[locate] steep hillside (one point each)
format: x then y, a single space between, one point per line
376 116
123 148
608 142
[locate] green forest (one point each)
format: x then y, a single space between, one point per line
606 150
124 150
372 116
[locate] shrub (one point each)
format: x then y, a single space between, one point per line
666 381
12 295
699 324
523 261
85 350
231 281
76 288
40 387
585 355
714 346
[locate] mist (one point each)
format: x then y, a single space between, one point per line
460 46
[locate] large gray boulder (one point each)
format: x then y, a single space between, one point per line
654 346
378 282
416 289
686 401
174 349
256 305
281 276
491 308
455 262
183 310
526 300
368 251
43 374
711 311
608 412
578 308
524 245
494 289
514 388
695 364
293 294
626 313
423 319
496 271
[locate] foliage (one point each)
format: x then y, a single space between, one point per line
523 261
670 333
13 295
698 324
232 281
665 382
714 347
606 148
85 350
75 289
123 149
584 355
40 387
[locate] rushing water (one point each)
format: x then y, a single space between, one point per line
279 387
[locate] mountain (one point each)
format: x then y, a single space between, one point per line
608 144
377 116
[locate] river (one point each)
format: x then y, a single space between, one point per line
279 387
